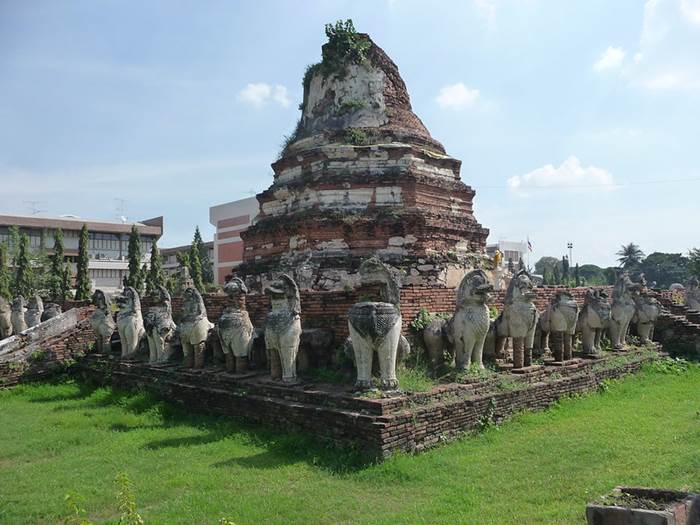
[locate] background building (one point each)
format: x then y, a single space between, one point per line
230 220
510 250
169 256
108 242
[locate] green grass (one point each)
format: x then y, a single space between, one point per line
57 439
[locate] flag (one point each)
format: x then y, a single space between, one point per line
529 244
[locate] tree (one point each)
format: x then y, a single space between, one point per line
546 279
565 269
611 274
694 262
196 269
556 275
136 277
13 244
24 280
82 279
204 261
155 276
4 273
57 269
630 256
665 268
66 278
577 275
546 262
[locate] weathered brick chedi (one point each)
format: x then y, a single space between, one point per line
361 176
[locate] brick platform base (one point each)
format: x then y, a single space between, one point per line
379 427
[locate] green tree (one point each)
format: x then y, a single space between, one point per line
694 262
57 269
24 279
204 261
630 256
546 277
4 273
556 275
546 262
155 276
82 279
577 275
594 275
135 279
611 274
66 278
565 269
665 268
196 268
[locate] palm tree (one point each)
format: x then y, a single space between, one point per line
630 256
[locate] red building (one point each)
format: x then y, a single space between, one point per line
230 220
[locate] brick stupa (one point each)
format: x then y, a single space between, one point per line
362 176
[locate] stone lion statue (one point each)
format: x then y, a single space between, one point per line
283 328
102 322
194 328
5 318
376 327
562 315
51 310
692 294
159 326
623 308
129 322
518 320
471 320
236 332
438 338
35 308
19 308
593 320
647 311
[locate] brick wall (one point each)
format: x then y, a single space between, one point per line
380 427
43 358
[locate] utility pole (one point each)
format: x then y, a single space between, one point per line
570 246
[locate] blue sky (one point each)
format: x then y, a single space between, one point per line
575 121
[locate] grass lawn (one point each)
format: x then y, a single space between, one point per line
57 439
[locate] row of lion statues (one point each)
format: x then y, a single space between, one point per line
21 314
465 333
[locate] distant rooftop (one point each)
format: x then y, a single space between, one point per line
146 227
177 249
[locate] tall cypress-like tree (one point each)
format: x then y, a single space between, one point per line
204 261
24 279
4 273
57 277
196 268
577 275
135 278
82 279
155 276
13 244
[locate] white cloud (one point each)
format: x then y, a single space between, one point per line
456 96
486 9
571 174
259 94
667 55
691 10
612 58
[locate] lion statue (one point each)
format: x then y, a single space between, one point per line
102 322
5 318
438 338
593 320
51 310
35 308
623 308
194 329
562 315
692 294
19 308
376 327
471 320
518 320
647 311
283 328
236 332
159 326
129 322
